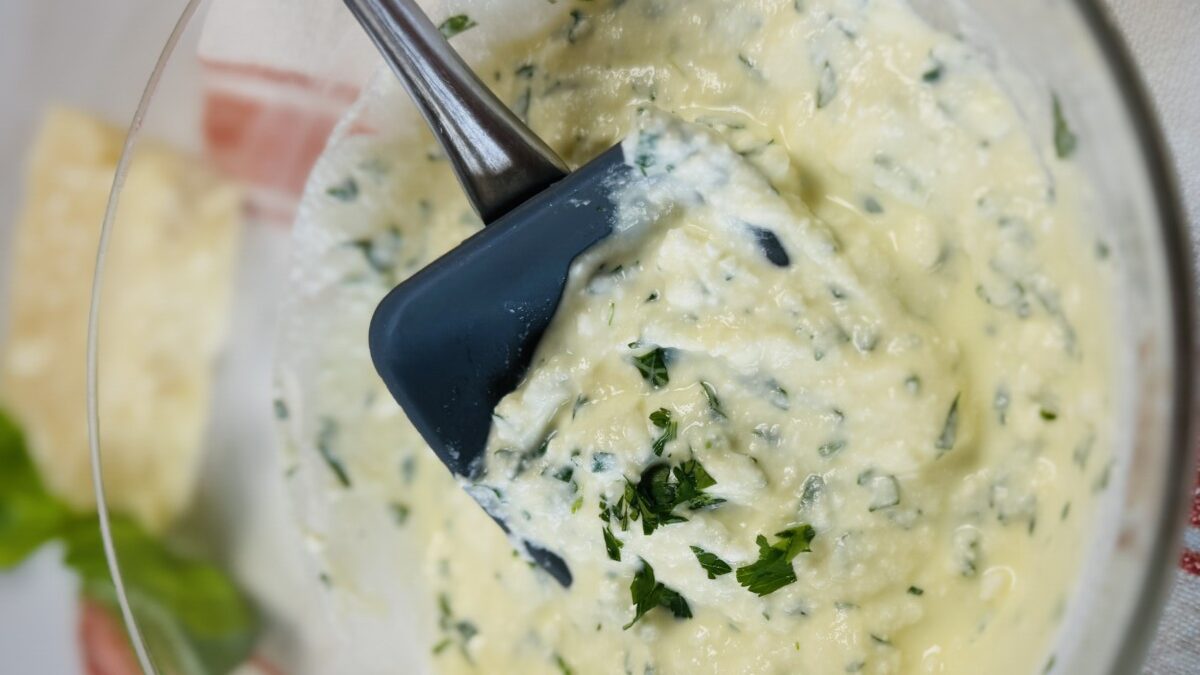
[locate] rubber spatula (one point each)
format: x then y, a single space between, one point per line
454 338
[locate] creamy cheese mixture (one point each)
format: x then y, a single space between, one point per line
833 400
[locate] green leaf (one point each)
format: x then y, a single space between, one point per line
612 544
713 565
773 570
949 435
653 367
661 419
827 87
345 191
325 440
1065 140
647 593
29 515
193 617
714 403
455 25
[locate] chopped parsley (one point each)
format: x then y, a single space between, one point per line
456 24
612 544
344 191
455 631
653 367
713 565
916 590
933 73
773 570
1048 414
603 461
1065 140
325 447
714 403
661 489
647 593
669 429
563 668
827 87
400 512
946 439
831 448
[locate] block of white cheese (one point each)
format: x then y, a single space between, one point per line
167 291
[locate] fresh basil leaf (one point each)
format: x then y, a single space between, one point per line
29 515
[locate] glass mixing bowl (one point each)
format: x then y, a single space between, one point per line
257 86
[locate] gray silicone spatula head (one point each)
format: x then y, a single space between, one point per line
454 338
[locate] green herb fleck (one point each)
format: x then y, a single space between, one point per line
946 439
655 496
773 570
1048 414
455 25
325 440
714 402
345 191
653 367
831 448
1065 140
612 544
603 461
827 87
916 590
563 668
647 593
400 512
669 428
933 73
713 565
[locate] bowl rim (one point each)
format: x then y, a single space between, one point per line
1157 576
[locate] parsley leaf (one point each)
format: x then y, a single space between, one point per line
325 438
714 403
647 593
345 191
653 367
711 563
946 439
456 24
661 419
1065 140
654 497
773 570
612 544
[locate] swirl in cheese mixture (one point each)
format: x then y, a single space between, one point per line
833 398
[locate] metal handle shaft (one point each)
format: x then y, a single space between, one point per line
499 161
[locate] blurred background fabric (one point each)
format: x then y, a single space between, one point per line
98 55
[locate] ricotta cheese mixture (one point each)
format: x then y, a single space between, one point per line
833 399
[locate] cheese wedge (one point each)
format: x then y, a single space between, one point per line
167 291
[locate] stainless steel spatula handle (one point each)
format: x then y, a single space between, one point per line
499 161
